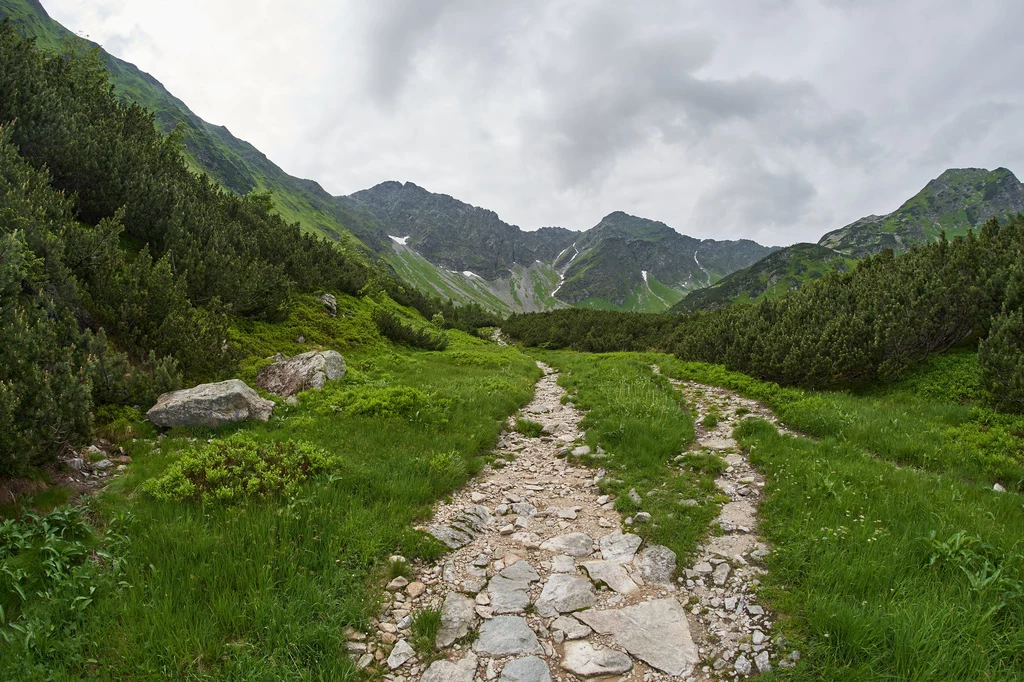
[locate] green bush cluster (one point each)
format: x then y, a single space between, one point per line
1001 358
591 331
240 467
529 428
391 327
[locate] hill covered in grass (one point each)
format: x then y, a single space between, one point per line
783 271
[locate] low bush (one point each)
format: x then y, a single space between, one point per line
1001 358
394 329
238 467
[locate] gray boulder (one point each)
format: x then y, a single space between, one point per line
304 372
528 669
330 303
210 405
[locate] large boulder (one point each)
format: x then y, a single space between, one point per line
210 405
311 370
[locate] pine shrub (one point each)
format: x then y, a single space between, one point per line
1001 358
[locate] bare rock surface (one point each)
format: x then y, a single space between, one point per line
527 669
586 660
444 671
210 405
305 372
505 635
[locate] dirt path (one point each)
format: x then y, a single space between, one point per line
542 583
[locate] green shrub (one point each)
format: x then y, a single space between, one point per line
711 419
528 427
394 329
1001 358
238 467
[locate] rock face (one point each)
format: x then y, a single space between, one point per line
586 660
210 405
655 632
309 371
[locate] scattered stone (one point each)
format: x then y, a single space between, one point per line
657 564
457 615
656 632
401 654
642 517
998 488
611 574
210 405
757 638
415 589
635 496
102 465
463 528
742 665
563 564
528 669
619 547
444 671
762 662
586 660
397 584
505 636
564 594
721 573
573 544
703 568
581 451
309 371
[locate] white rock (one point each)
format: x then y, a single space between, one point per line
570 627
444 671
563 564
457 615
573 544
619 547
656 632
400 654
586 660
611 574
657 563
563 594
505 636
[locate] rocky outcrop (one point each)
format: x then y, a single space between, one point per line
210 405
330 304
309 371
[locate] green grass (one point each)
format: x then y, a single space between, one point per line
922 421
425 626
529 428
871 577
894 559
637 417
263 589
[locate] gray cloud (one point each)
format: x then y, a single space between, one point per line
778 122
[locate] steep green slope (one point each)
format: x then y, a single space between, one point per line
232 162
776 274
956 201
613 265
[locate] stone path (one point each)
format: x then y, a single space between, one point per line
541 583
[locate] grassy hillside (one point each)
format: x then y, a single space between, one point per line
232 162
778 273
958 200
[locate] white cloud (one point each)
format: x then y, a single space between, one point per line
777 122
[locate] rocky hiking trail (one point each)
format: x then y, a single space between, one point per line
542 584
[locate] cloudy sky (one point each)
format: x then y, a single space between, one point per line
775 120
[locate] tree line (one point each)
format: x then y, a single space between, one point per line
866 325
120 268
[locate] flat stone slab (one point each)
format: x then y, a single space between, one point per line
521 570
401 654
564 594
611 574
445 671
573 544
457 615
528 669
508 596
572 628
563 564
656 632
586 660
507 636
619 547
657 564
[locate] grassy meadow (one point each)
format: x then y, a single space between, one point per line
232 585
